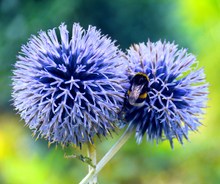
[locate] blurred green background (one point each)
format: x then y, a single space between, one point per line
191 24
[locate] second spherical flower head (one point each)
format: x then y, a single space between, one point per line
167 92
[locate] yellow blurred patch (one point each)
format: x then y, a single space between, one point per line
10 130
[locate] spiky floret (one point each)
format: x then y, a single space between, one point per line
68 89
177 92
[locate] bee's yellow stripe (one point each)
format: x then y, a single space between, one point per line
128 92
143 96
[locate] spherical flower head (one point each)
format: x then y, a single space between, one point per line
167 92
68 89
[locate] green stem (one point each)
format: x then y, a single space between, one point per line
115 148
87 178
92 156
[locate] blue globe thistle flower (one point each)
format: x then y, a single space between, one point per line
68 89
167 92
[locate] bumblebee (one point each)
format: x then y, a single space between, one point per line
137 93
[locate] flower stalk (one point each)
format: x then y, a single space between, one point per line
108 156
92 156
